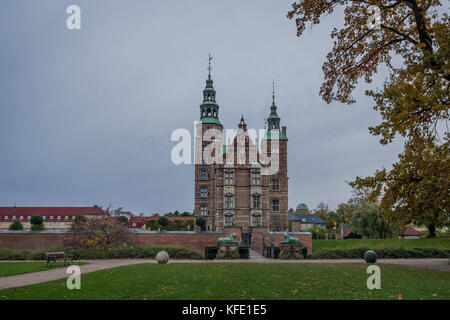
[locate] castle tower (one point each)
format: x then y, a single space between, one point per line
209 128
276 196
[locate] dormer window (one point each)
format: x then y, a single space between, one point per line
59 218
66 217
51 217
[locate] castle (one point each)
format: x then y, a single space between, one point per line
240 190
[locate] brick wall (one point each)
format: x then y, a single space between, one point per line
36 241
45 240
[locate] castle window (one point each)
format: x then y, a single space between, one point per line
276 205
229 178
203 210
229 219
203 174
256 201
275 184
203 192
256 178
256 220
229 201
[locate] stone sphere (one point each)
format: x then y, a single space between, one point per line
162 257
370 256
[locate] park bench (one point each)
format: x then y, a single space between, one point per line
53 256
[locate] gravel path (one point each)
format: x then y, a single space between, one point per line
96 265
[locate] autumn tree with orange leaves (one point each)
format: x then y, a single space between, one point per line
413 103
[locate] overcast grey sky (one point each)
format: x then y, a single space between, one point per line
86 115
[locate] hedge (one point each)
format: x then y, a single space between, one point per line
381 253
124 253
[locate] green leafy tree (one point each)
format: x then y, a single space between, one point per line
368 221
36 219
123 219
16 225
163 221
413 102
200 222
318 232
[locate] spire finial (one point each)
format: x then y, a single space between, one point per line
273 92
209 65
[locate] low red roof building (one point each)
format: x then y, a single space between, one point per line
410 233
137 222
54 217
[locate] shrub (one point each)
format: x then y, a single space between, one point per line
16 225
358 253
132 252
78 223
37 227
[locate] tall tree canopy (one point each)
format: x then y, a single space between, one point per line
414 101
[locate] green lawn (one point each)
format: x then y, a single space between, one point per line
438 243
13 268
244 281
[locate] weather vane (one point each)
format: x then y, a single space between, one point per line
273 91
209 64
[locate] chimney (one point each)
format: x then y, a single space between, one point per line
283 129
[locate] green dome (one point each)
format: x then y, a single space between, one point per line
302 206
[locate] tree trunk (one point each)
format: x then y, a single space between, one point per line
431 231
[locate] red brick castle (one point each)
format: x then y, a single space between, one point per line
242 191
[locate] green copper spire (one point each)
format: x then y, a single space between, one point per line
273 121
209 109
